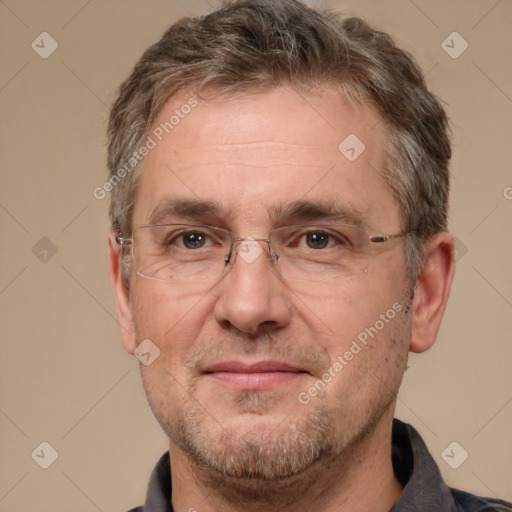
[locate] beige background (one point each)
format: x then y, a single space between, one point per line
64 377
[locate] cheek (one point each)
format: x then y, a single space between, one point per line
338 313
370 362
171 315
362 329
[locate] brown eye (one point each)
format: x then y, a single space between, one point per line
317 240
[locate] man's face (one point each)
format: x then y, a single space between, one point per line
241 357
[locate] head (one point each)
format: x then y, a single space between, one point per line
236 119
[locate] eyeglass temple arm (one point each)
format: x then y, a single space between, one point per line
123 241
386 238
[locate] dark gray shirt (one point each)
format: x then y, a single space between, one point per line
423 487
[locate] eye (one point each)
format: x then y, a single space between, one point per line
186 240
317 239
192 239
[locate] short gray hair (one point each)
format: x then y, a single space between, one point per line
255 45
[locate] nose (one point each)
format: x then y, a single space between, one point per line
252 296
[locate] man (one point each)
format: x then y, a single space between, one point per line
279 199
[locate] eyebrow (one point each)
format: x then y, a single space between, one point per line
192 209
203 211
317 211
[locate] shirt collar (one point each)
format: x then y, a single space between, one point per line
158 497
423 486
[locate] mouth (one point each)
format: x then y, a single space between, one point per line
256 376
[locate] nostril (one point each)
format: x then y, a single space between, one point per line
226 324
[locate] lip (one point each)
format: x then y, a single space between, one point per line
259 375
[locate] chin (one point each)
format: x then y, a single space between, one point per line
253 448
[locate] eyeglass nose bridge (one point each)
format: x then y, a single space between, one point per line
249 249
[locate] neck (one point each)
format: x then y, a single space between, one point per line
361 478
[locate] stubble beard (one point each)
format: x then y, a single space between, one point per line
271 465
274 463
263 460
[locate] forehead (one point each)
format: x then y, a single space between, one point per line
253 154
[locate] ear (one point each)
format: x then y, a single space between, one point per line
432 291
122 295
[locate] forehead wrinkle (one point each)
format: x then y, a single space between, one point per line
244 163
253 145
246 153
